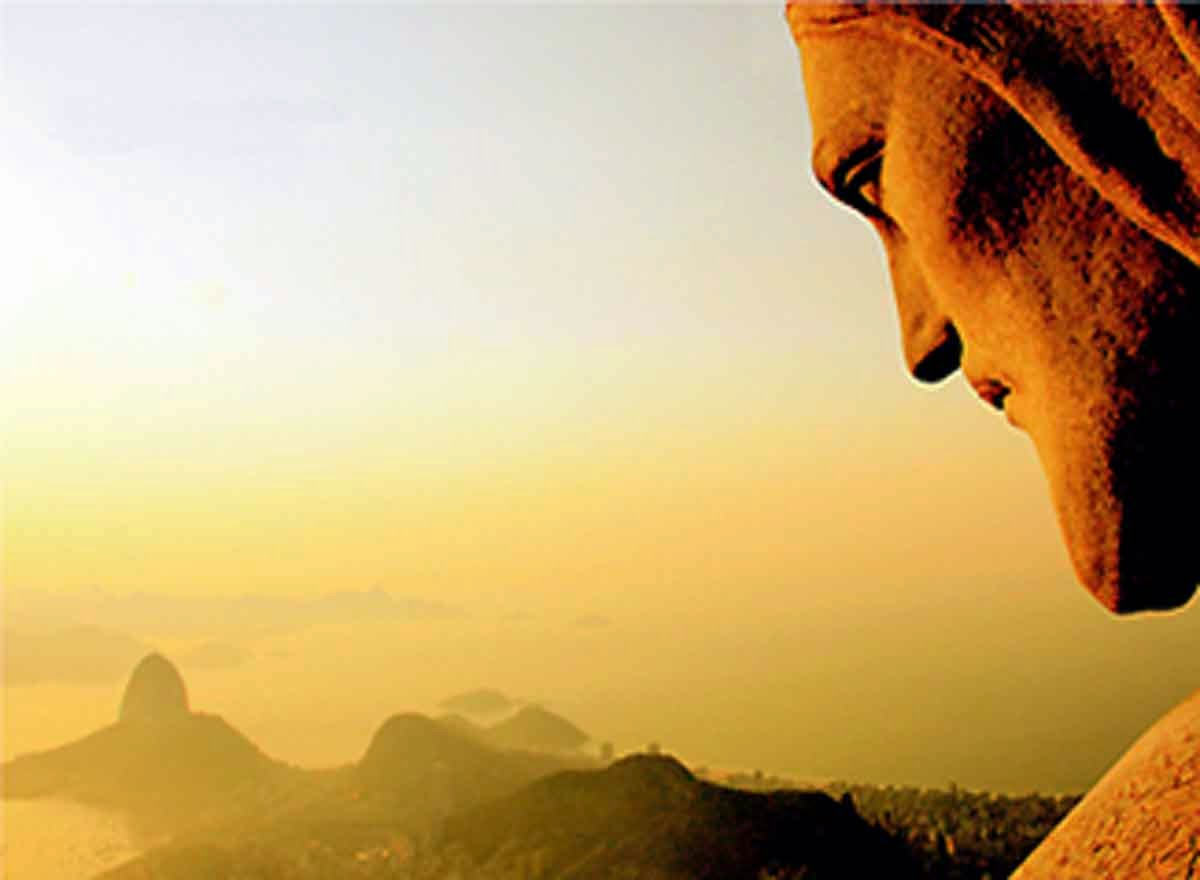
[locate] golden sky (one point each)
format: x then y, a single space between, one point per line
422 315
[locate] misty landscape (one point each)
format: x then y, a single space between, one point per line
502 791
345 751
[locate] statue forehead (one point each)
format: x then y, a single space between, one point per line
1111 89
850 86
862 86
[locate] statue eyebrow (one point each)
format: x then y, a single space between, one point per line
849 162
832 163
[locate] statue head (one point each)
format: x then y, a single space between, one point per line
1033 174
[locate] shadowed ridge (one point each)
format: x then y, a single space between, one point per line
666 769
415 764
647 815
651 781
155 691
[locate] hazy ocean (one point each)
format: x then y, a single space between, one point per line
47 839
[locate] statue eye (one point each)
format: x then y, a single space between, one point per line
856 180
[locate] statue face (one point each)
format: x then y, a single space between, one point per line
1059 311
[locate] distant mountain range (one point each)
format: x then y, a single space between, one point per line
87 656
531 729
75 655
430 800
43 643
479 703
157 614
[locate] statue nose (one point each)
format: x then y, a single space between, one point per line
934 361
932 346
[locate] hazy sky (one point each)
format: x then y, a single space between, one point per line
533 308
531 299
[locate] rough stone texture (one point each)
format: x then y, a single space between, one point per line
1142 819
1033 172
155 691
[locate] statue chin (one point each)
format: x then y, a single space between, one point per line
1158 574
1124 503
1132 559
1145 591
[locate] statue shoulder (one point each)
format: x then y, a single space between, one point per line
1142 818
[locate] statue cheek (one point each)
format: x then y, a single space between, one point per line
1007 172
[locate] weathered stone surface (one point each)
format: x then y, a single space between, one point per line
1142 819
1033 172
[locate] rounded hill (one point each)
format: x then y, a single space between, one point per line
409 743
155 691
536 729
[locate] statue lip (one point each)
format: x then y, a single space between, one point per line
996 392
991 391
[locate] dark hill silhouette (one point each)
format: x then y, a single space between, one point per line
479 703
647 816
642 817
410 742
155 691
415 760
536 729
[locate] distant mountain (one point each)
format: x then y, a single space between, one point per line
75 655
479 703
414 758
536 729
532 729
367 819
647 816
159 760
409 744
175 767
463 725
172 771
159 614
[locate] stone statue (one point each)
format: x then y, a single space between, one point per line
1033 171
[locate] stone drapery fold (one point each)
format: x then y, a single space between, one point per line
1113 88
